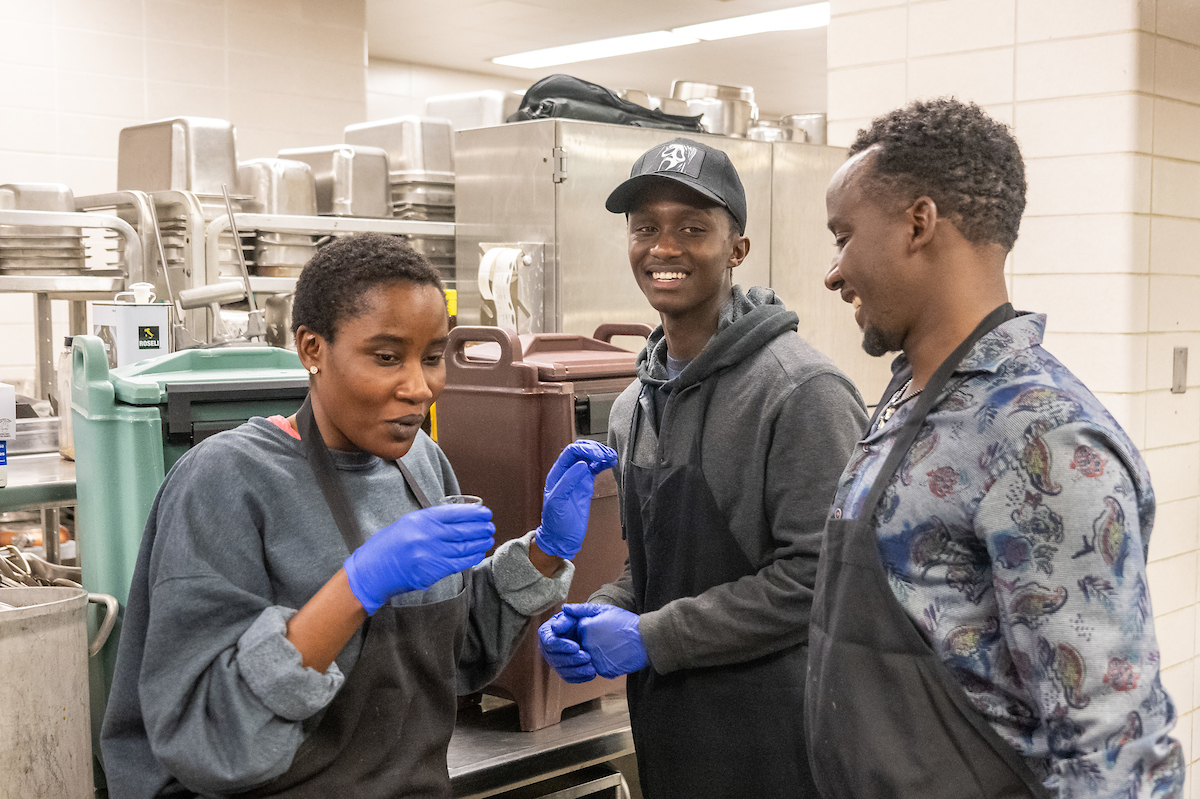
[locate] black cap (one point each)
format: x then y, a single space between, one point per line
699 167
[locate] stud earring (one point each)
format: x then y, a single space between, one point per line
312 369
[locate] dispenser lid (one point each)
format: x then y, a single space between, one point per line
146 382
564 356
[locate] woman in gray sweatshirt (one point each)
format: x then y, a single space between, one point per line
302 615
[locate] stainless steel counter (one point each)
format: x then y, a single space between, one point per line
489 754
38 481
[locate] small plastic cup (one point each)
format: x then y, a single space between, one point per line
460 499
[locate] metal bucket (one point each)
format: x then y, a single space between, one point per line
45 725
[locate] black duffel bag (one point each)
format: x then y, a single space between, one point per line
572 98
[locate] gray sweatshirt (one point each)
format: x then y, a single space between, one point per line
781 427
209 696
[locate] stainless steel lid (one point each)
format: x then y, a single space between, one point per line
351 180
196 154
278 186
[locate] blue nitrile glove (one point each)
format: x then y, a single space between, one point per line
568 497
560 649
417 550
610 636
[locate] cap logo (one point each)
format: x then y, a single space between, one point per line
680 158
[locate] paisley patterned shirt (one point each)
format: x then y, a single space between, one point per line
1014 535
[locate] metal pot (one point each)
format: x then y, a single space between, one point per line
766 130
279 321
724 117
45 729
669 105
806 127
691 90
635 96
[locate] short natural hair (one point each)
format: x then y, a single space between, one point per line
952 152
331 287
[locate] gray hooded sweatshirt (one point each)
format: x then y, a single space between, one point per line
781 426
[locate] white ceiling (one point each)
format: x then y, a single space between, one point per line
786 69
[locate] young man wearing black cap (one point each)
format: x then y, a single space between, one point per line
731 441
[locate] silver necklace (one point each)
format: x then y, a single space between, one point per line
895 402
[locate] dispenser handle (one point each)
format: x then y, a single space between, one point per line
607 330
508 370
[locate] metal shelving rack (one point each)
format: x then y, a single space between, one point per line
91 284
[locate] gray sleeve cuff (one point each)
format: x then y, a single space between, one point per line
612 595
521 585
271 666
663 648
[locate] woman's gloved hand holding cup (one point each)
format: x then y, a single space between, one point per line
418 549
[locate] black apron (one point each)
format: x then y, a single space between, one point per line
885 716
386 732
723 731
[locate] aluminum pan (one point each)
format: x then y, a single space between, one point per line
351 180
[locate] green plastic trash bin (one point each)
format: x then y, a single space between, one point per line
130 426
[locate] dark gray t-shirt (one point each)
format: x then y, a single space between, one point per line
208 692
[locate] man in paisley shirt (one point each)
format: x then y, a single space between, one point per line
1013 532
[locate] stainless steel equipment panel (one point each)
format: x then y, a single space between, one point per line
504 193
547 180
801 251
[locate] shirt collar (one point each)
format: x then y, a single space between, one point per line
991 351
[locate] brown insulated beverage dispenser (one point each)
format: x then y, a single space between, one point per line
509 407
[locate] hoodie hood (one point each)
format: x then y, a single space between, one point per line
745 324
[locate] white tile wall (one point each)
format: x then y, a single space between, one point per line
1175 130
1173 308
1176 633
1038 20
1175 66
1068 126
1180 19
1172 418
958 26
1121 62
880 26
1102 304
1088 184
857 92
1176 188
1173 583
1175 529
985 76
1175 245
1083 244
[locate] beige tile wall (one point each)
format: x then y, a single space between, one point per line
396 88
1104 96
74 72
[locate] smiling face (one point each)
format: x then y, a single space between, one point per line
376 380
873 247
681 246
